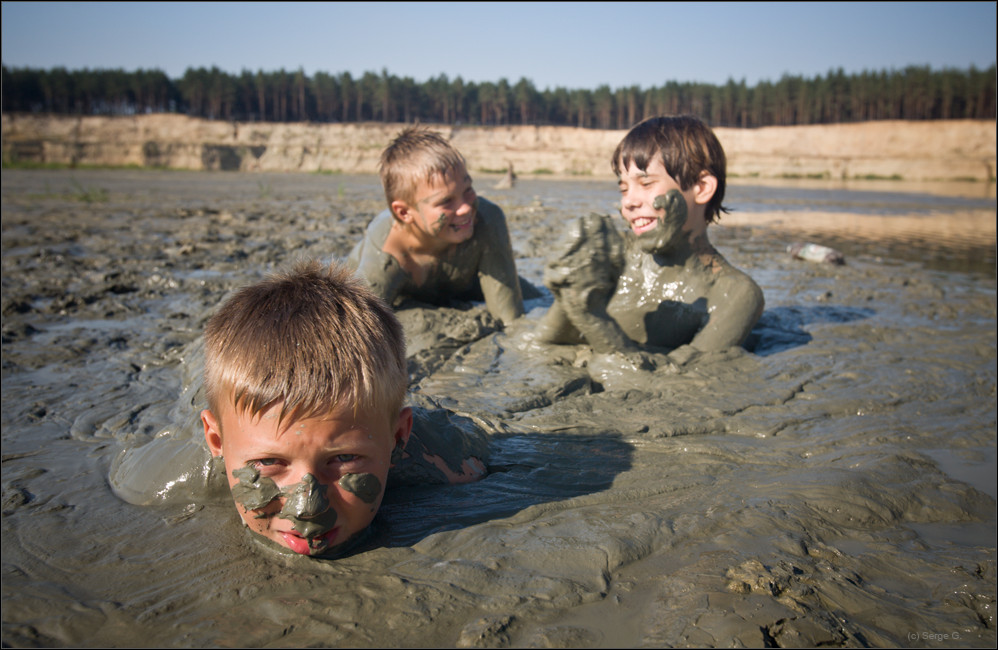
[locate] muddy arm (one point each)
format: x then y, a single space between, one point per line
497 269
382 272
582 274
733 318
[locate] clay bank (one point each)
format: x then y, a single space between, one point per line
912 151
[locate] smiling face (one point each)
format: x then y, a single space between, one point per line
310 485
660 212
444 209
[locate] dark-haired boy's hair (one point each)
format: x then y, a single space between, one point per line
686 146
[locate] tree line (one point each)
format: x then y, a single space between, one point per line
914 93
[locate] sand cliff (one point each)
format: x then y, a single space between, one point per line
914 151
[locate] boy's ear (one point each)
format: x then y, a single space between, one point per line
402 211
704 189
212 432
403 427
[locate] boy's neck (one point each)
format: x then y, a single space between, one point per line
418 242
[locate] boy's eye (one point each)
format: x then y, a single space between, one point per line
262 463
345 458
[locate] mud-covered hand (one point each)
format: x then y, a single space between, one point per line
582 273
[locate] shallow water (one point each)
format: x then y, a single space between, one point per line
834 486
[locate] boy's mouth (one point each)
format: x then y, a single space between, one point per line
306 546
643 224
463 223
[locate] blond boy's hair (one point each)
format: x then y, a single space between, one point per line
687 148
415 156
312 337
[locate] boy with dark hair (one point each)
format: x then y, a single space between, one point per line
661 284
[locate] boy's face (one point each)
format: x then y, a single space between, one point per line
310 486
638 190
444 209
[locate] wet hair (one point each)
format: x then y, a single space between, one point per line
312 337
687 147
416 155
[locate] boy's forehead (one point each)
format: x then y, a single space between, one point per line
269 423
437 182
654 167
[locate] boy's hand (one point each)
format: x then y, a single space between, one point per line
591 255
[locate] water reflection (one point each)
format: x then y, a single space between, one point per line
945 231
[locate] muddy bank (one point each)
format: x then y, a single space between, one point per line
913 151
833 485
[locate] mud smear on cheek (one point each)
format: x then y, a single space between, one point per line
669 225
366 487
253 492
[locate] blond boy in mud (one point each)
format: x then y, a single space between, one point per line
661 285
305 376
438 240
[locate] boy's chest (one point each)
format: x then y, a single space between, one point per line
453 271
656 307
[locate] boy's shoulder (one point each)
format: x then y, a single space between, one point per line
490 219
737 287
489 210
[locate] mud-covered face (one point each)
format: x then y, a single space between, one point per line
654 206
446 207
312 485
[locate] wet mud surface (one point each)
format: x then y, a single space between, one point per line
834 484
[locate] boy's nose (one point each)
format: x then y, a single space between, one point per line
630 199
306 499
465 207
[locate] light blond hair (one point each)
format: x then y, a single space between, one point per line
416 155
312 337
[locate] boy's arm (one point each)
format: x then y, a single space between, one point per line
733 318
583 275
442 448
378 269
497 268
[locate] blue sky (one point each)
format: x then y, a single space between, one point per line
567 44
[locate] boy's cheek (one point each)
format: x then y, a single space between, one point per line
362 491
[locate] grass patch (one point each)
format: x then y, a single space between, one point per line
32 164
542 170
877 177
822 176
89 194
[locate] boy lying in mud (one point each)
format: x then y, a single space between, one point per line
305 377
662 284
438 240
